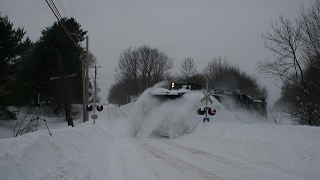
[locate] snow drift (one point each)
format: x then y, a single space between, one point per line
106 149
68 154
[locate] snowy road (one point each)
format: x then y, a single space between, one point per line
164 159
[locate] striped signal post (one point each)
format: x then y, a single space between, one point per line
206 98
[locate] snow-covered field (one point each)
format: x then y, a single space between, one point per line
152 140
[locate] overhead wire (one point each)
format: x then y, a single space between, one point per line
75 17
56 9
74 14
62 7
57 14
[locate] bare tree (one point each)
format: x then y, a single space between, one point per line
92 59
128 69
286 43
141 68
215 69
310 19
221 74
152 65
188 67
22 124
217 66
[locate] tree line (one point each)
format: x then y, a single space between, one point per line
143 67
26 68
296 47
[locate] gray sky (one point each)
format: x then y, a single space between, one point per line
200 29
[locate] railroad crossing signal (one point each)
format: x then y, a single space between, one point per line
206 110
91 91
207 95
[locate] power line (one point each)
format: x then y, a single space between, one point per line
62 7
56 10
73 10
58 16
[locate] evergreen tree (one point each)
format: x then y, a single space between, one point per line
55 55
10 40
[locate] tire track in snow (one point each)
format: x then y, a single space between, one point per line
196 164
172 167
114 114
126 162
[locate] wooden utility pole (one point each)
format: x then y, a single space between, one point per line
84 109
66 103
86 82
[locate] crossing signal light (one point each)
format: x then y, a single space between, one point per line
89 107
201 111
99 108
211 111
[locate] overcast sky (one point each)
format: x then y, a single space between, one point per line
200 29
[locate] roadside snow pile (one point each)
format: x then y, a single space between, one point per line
38 155
287 147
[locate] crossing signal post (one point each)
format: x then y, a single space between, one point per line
90 108
95 98
206 110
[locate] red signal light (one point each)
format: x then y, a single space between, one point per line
211 111
99 108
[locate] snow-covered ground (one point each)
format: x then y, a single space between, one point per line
152 140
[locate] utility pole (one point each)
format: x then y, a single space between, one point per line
84 111
66 105
86 81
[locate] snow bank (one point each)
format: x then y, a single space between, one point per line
287 147
63 155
